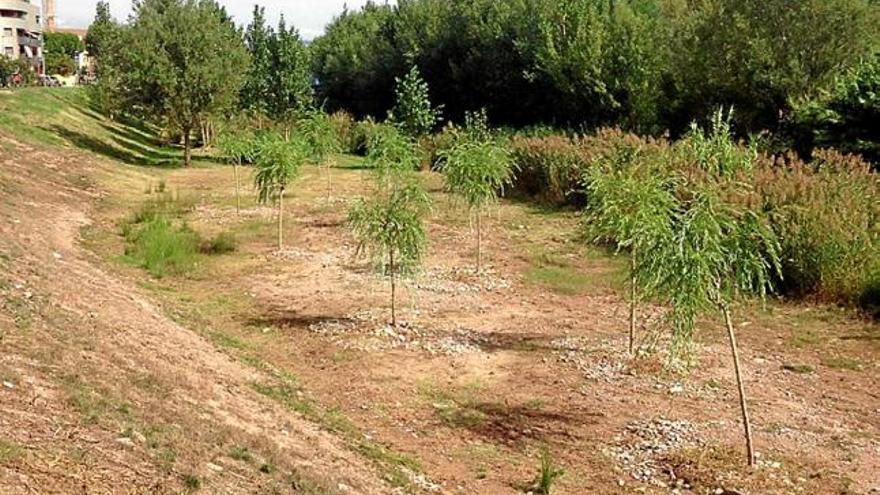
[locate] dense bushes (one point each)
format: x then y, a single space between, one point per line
644 65
826 213
549 168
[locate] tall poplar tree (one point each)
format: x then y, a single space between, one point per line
256 94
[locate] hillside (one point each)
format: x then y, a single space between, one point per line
244 369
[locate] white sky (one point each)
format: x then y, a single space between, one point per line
309 16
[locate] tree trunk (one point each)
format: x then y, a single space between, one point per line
750 450
479 240
393 289
632 301
235 166
281 219
187 147
329 182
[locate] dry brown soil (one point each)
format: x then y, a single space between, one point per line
260 360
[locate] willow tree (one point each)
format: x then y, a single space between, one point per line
318 131
631 206
278 163
238 149
390 223
721 248
478 170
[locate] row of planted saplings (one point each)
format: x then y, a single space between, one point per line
682 214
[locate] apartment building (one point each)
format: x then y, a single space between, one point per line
21 31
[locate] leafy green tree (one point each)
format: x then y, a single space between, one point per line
478 170
170 69
238 148
279 162
631 205
413 112
760 55
356 62
847 116
291 77
390 223
323 140
256 93
718 250
60 51
102 32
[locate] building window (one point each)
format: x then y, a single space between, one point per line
9 52
7 32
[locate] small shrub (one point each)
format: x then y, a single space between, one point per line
222 243
192 482
549 168
240 453
345 126
547 475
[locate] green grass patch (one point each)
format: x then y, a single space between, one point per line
9 451
241 453
842 363
804 338
558 275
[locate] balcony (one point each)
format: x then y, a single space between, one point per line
29 41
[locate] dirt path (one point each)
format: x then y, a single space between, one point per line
102 392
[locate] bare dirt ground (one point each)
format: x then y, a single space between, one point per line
120 383
101 391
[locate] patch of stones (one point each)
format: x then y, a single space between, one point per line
460 281
605 361
369 331
639 448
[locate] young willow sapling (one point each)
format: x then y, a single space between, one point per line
390 223
318 131
278 163
478 170
238 149
630 205
719 249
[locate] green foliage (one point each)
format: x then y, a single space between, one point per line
719 246
549 168
827 216
320 133
66 44
290 79
845 117
102 32
391 155
161 247
167 69
413 112
237 147
644 65
389 225
60 50
547 475
391 228
256 92
278 162
478 171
